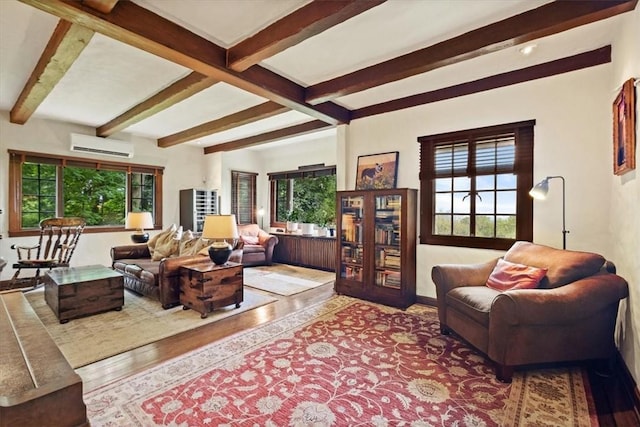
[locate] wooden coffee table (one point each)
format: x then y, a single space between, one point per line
80 291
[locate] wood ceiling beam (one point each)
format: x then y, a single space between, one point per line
104 6
141 28
308 21
546 20
267 137
64 46
249 115
169 96
547 69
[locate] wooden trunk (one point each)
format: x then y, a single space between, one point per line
207 287
80 291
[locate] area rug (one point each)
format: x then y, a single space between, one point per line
283 279
343 362
141 321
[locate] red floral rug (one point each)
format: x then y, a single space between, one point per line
344 362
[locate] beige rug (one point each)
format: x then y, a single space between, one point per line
141 321
283 279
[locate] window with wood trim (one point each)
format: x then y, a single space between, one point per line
101 192
309 192
474 186
243 197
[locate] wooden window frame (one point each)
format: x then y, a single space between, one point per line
302 172
17 158
523 168
252 176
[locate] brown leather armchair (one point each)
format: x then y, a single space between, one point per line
258 245
157 279
571 316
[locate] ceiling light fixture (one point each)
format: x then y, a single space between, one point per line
528 49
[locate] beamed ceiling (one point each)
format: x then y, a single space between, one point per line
231 74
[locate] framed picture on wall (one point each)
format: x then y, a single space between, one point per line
624 125
377 171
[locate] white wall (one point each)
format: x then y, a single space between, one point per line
572 139
624 211
53 137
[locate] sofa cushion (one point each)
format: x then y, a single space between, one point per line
508 275
562 266
250 240
190 244
473 301
160 237
253 249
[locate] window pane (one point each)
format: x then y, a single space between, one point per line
98 196
485 202
462 183
39 193
442 225
443 184
484 226
461 225
506 202
506 227
461 206
507 181
443 203
485 182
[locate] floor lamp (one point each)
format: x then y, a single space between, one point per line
540 190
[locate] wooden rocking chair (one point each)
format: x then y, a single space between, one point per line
57 242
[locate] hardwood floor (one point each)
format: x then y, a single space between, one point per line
614 409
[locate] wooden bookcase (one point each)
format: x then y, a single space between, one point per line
376 256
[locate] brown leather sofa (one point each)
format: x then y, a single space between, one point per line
258 245
570 316
157 279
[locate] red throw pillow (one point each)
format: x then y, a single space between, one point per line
508 275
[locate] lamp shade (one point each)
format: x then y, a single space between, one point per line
220 227
139 220
540 190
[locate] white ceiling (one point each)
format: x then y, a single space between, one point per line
110 77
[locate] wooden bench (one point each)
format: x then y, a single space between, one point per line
37 385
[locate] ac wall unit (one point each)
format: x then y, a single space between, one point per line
97 145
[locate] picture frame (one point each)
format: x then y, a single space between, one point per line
624 125
377 171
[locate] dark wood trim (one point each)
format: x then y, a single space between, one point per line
141 28
551 18
167 97
275 135
547 69
430 301
249 115
308 21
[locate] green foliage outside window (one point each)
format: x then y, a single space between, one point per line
313 200
97 196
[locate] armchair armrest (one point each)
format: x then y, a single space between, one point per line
267 240
130 252
449 276
563 305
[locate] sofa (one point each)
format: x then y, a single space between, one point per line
257 244
535 305
153 268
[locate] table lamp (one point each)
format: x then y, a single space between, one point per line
220 228
140 221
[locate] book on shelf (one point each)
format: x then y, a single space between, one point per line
388 279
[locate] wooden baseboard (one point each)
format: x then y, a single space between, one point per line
426 300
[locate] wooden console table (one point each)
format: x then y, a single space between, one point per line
306 251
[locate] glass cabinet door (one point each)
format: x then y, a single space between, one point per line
351 244
387 240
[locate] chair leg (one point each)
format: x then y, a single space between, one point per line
504 373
